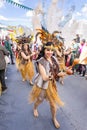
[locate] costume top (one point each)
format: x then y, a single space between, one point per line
50 69
24 61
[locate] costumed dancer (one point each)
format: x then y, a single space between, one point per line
61 60
59 52
26 65
45 83
17 56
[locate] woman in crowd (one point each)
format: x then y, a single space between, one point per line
59 52
26 65
17 56
45 83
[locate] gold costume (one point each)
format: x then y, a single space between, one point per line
46 90
50 94
30 70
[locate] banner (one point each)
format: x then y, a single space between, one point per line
18 5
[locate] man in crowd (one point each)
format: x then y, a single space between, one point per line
3 52
8 47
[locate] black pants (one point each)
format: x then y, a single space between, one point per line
82 69
11 56
2 78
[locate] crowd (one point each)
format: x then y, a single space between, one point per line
51 62
6 57
78 50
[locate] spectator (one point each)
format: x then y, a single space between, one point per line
3 52
8 47
77 38
82 67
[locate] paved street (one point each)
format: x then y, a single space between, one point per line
16 113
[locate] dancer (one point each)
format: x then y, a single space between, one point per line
26 65
61 60
45 84
17 55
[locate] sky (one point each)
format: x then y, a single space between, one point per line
13 15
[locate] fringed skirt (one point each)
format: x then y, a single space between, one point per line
62 66
50 94
17 63
23 70
30 70
27 70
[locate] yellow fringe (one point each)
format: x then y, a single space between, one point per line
62 66
51 94
30 70
17 63
34 94
23 71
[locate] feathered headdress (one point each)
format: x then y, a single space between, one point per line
24 39
45 37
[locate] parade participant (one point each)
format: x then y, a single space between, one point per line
45 84
59 52
26 65
35 49
8 47
17 55
3 52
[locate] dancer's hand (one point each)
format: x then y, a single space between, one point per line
61 74
51 77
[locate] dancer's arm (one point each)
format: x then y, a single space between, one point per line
24 56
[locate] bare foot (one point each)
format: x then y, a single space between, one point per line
23 80
31 83
35 113
56 123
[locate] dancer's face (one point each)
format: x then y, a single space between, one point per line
48 53
25 46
